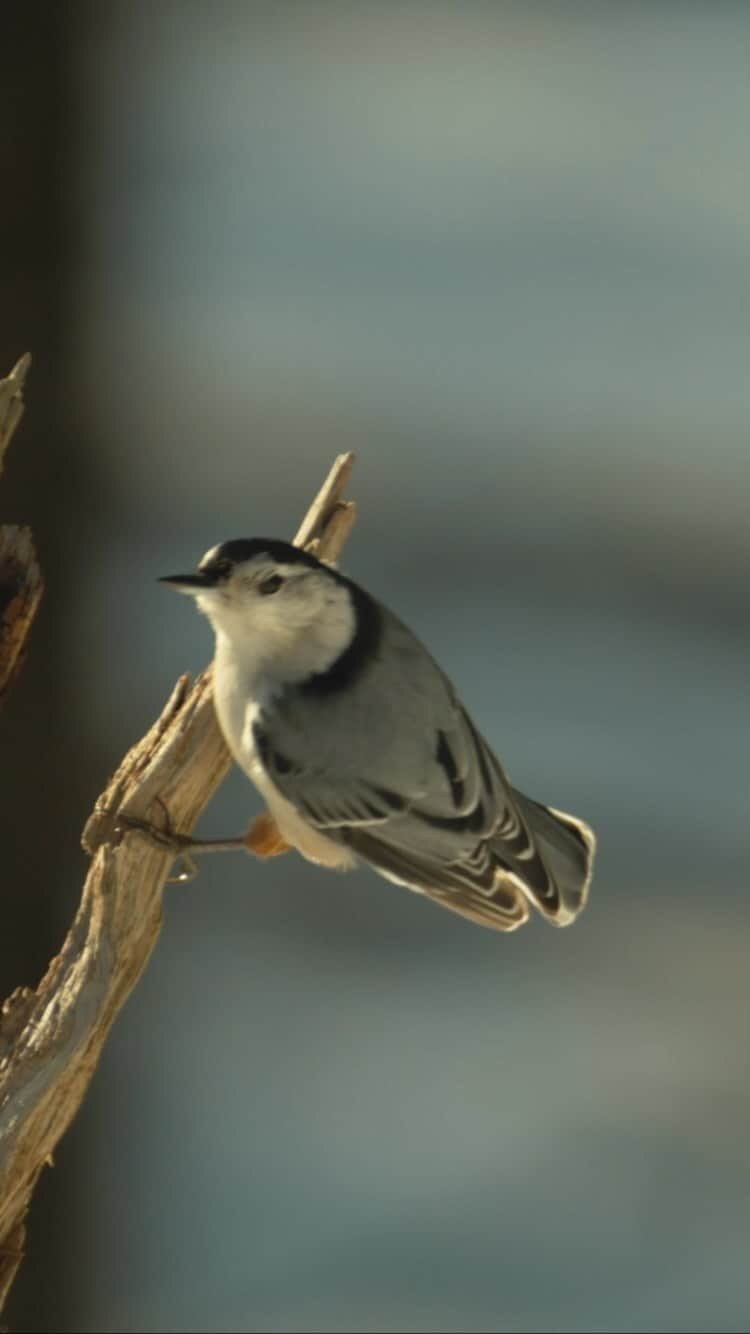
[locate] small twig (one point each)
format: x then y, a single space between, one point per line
315 522
51 1039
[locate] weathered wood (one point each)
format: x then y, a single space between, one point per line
21 583
51 1038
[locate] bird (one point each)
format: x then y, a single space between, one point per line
361 748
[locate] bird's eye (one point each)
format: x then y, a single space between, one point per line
270 585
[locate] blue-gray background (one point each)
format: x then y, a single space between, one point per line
503 252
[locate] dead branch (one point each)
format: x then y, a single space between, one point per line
51 1039
21 584
11 402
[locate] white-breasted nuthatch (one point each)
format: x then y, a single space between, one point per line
361 748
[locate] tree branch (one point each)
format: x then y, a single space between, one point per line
21 584
11 402
51 1039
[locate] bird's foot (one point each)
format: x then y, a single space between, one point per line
262 838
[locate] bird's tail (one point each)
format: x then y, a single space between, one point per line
566 848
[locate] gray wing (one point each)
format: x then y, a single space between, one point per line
394 769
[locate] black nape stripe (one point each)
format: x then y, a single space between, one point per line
364 646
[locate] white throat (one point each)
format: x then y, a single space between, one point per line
255 662
268 654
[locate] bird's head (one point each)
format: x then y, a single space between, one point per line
276 604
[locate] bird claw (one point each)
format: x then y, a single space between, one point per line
166 840
262 838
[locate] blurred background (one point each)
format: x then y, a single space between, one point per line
503 252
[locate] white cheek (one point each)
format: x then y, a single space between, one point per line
289 635
269 622
336 627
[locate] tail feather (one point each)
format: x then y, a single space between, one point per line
567 847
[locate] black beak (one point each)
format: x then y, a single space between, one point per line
189 582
